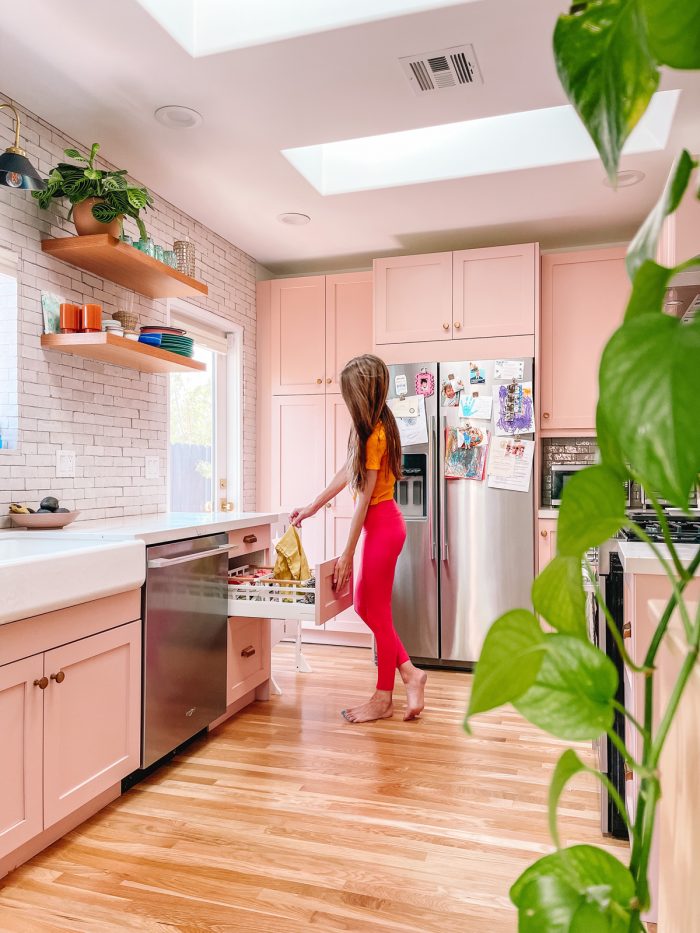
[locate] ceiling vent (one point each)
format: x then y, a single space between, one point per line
442 70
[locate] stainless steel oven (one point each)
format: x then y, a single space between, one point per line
184 641
561 474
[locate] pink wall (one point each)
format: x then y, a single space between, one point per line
111 417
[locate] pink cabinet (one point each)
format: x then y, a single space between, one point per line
546 542
21 728
298 335
348 322
298 462
92 717
494 291
248 652
584 295
413 298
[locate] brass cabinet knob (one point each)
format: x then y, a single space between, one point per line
248 652
328 381
446 326
319 381
329 505
457 325
627 630
544 532
59 678
42 683
545 414
250 539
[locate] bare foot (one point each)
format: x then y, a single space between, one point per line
415 695
379 706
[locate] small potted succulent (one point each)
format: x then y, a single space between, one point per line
99 199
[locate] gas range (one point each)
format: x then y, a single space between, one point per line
683 529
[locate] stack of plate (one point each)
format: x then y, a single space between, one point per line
184 346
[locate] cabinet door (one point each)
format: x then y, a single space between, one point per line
584 295
349 301
547 542
413 298
340 510
21 778
494 291
248 656
298 335
298 468
92 718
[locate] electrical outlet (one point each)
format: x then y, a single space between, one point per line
152 467
65 463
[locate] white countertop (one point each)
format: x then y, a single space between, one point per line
161 527
637 557
548 513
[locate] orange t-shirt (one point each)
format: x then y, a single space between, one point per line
376 459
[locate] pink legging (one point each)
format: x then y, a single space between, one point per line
384 536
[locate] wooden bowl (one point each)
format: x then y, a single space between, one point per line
45 520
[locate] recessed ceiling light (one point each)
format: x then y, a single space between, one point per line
178 118
625 179
296 220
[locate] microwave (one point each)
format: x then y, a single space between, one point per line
561 474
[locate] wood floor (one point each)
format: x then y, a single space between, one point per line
288 819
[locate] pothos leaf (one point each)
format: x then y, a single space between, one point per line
674 32
592 510
557 595
607 70
568 765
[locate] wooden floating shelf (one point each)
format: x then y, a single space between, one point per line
109 258
109 348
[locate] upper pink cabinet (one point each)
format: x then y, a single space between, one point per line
584 295
494 291
348 322
413 298
298 335
454 296
317 323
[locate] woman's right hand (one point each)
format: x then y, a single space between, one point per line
297 516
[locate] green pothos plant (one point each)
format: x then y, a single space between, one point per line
608 55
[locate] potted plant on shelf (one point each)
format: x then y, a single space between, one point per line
99 199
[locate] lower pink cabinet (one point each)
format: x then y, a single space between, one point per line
70 726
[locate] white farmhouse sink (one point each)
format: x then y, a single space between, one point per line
42 574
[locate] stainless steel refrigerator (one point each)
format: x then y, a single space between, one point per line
469 552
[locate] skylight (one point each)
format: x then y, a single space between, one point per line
204 27
507 143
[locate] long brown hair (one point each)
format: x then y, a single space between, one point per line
364 385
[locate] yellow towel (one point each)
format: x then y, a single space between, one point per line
291 563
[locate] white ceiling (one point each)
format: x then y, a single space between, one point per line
98 70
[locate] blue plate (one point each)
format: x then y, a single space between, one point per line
153 340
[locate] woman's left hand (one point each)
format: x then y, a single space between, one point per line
342 571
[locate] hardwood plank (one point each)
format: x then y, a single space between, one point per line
287 818
111 348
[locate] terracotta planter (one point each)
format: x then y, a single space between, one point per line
86 224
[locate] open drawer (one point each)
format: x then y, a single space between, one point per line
314 601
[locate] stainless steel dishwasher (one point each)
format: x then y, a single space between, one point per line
184 656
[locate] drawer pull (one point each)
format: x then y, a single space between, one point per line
250 539
445 326
42 683
544 532
59 678
629 773
319 381
457 325
627 630
545 414
248 652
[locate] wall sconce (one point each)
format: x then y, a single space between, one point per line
16 171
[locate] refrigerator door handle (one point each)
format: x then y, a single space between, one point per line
432 440
443 493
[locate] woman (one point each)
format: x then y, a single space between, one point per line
372 468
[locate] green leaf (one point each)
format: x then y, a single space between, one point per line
645 243
138 197
649 386
650 283
608 445
592 510
95 148
74 154
557 595
573 692
509 661
568 765
114 183
674 32
607 70
104 212
582 883
93 174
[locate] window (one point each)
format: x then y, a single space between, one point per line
9 412
205 468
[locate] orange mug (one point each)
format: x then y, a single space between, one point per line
91 318
69 318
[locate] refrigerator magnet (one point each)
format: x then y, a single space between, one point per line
425 383
450 392
401 384
477 374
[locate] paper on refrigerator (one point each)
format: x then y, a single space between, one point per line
410 418
510 463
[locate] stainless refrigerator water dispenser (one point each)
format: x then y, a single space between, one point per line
410 489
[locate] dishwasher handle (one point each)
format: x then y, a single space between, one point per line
159 562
